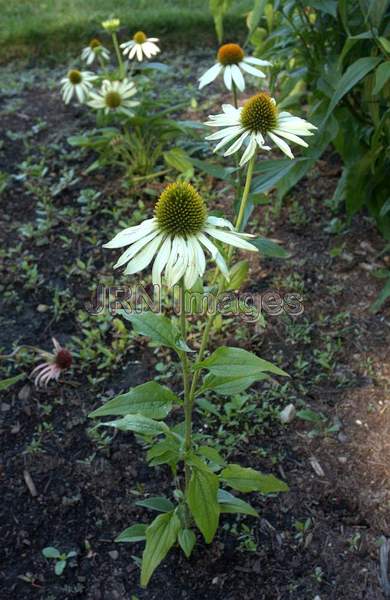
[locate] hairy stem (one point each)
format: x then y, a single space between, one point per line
245 195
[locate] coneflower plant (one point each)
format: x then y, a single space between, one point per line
177 239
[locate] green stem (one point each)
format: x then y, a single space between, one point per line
186 383
245 195
118 55
210 321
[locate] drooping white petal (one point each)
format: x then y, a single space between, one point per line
230 238
210 75
238 78
132 234
285 148
251 70
227 77
237 144
250 150
161 260
144 257
191 273
135 248
290 136
225 132
219 222
215 253
178 268
257 61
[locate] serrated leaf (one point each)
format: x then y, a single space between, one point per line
231 504
202 501
135 533
138 424
238 363
157 327
229 386
187 541
160 537
246 479
212 454
158 503
149 399
6 383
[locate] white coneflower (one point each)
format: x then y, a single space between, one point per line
93 51
177 236
111 25
77 83
232 62
114 96
139 46
257 119
57 362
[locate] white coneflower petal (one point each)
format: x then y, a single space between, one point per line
77 83
238 78
144 257
140 46
252 123
175 238
114 97
232 62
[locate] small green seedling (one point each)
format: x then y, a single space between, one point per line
51 552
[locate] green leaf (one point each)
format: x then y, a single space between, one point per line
207 406
59 567
158 503
245 479
6 383
382 76
156 326
326 6
135 533
51 552
149 399
224 173
382 297
269 248
269 172
238 363
202 500
238 274
231 504
138 424
187 541
306 414
227 385
255 15
178 159
355 73
212 454
160 537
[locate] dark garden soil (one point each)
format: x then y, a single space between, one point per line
63 486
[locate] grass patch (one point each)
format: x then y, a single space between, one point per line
44 27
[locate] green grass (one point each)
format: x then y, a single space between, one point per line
42 27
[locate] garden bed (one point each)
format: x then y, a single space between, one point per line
319 540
